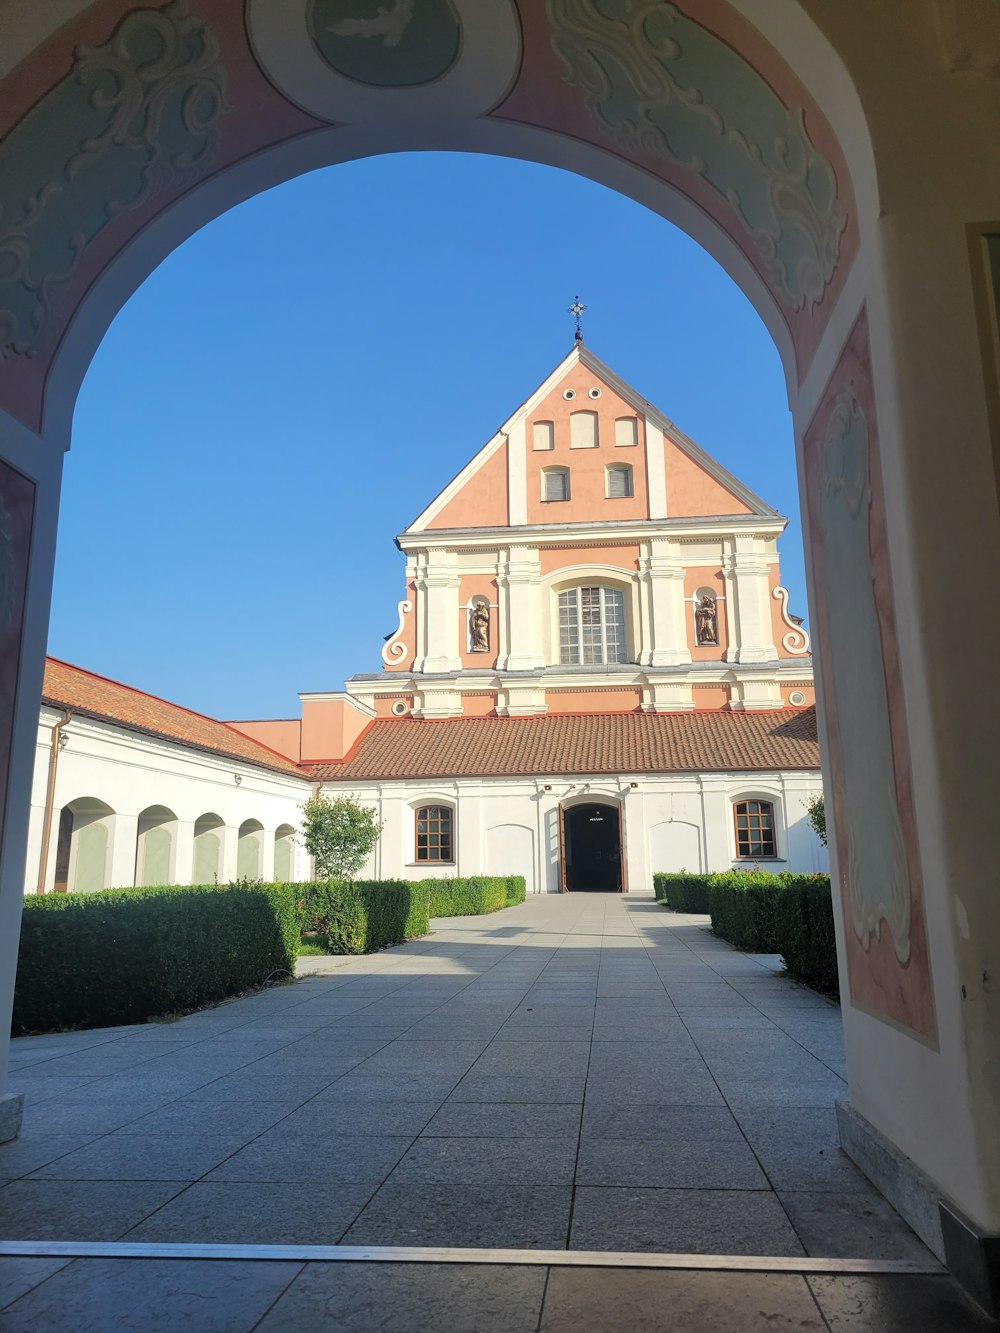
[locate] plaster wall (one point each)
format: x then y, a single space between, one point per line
494 818
129 773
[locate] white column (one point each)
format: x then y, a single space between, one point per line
267 855
661 575
438 590
748 607
184 852
230 853
124 842
520 583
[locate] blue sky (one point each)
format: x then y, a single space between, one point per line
216 547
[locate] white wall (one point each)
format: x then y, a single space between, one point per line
511 825
130 772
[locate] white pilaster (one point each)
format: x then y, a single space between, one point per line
517 474
668 696
716 816
437 587
661 575
656 474
748 607
519 581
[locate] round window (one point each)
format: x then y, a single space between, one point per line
569 393
797 698
594 393
400 707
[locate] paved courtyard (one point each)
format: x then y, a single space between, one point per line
587 1072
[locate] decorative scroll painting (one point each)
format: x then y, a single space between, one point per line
708 106
867 739
17 507
100 130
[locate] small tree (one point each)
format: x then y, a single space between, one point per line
339 835
816 815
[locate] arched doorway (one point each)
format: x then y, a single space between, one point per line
817 205
592 848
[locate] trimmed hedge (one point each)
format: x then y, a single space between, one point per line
472 896
363 915
791 915
517 889
787 914
125 955
682 892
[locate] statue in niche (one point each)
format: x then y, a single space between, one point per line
706 621
479 626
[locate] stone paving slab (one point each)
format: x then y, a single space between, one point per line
587 1070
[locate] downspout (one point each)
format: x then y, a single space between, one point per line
43 862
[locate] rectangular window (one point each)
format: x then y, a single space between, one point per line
754 830
434 833
591 626
555 484
626 432
619 483
583 430
543 435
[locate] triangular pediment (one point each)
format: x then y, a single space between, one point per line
480 494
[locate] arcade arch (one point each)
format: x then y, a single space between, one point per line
844 265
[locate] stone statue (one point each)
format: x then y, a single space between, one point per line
479 626
706 621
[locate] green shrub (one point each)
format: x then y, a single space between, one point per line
788 914
516 889
682 892
125 955
363 915
472 896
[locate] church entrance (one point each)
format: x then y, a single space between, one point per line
592 848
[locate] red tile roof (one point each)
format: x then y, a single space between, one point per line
577 743
67 686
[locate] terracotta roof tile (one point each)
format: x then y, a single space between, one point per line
576 743
71 687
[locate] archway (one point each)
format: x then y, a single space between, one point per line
208 835
154 851
83 846
592 847
845 266
249 849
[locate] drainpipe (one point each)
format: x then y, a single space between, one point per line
43 862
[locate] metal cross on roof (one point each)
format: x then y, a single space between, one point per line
576 310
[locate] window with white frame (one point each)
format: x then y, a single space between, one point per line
626 433
583 432
591 626
555 483
618 481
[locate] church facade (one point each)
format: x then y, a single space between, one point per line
594 675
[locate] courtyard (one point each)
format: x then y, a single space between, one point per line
586 1072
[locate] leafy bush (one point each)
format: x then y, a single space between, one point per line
472 896
743 905
361 916
816 817
682 892
125 955
340 834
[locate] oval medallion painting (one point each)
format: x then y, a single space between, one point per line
386 43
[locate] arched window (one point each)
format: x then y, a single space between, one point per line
83 846
248 849
154 848
754 829
591 626
618 481
208 833
284 853
555 483
435 833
